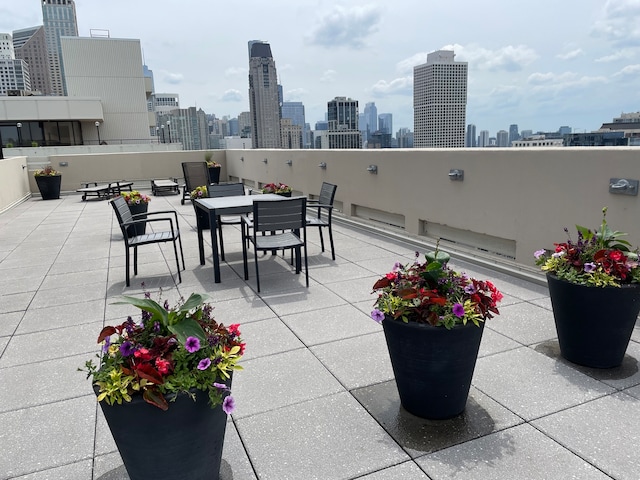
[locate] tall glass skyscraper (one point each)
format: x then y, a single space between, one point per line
264 101
59 20
439 101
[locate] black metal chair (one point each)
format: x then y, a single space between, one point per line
284 221
195 174
225 190
324 204
126 219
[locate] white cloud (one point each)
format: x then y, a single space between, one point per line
621 22
231 95
400 86
628 70
295 94
406 66
172 78
235 71
346 26
328 76
553 82
509 58
573 54
622 54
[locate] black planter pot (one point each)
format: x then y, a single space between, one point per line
433 366
594 324
214 174
49 186
141 228
285 194
183 442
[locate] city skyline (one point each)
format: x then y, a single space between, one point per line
532 67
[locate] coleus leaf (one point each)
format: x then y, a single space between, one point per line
105 333
154 397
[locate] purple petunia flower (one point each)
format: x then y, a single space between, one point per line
458 310
228 405
127 349
538 253
470 289
220 386
589 267
204 364
192 344
558 254
396 266
377 315
107 344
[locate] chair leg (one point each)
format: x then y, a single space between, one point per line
333 252
181 254
245 242
175 250
221 241
127 267
306 262
255 259
321 238
135 260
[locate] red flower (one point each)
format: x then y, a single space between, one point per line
163 366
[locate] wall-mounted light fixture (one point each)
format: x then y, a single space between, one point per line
97 124
265 160
322 165
63 164
289 162
623 186
372 169
242 159
456 174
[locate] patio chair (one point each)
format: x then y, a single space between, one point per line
126 219
285 221
225 190
195 175
324 204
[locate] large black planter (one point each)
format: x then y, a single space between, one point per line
49 186
433 366
183 442
140 228
594 324
214 174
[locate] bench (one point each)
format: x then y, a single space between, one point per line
164 186
105 190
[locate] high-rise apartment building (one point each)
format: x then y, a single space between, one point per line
385 123
502 139
440 101
483 138
471 139
342 115
514 134
30 45
370 117
14 74
59 19
295 111
264 103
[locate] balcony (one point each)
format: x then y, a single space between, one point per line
317 397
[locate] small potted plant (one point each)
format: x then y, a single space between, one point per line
163 384
138 205
49 182
213 167
594 285
433 319
200 192
277 188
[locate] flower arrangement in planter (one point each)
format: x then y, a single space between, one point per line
49 182
199 192
599 258
594 285
277 188
164 383
171 350
134 197
433 293
433 319
47 171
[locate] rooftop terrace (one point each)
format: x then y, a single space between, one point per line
316 399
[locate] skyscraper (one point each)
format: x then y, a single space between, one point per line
343 123
385 123
483 138
514 134
59 19
440 101
264 102
14 74
295 111
30 45
471 136
370 117
502 139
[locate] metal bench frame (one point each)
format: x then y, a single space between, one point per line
104 191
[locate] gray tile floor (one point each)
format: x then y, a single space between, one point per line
317 398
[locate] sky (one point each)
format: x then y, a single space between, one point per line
540 65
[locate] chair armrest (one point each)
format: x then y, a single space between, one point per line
246 219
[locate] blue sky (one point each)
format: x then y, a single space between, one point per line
539 64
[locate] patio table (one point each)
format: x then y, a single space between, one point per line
234 205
